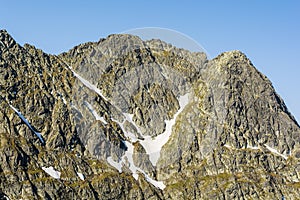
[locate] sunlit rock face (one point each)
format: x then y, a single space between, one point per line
124 118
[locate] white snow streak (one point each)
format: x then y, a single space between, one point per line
85 82
80 175
128 156
252 147
153 146
127 160
27 123
227 146
248 147
117 165
94 112
52 172
62 97
275 151
64 100
128 134
88 84
129 117
158 184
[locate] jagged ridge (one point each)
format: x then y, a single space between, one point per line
233 138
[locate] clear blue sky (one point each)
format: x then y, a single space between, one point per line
267 31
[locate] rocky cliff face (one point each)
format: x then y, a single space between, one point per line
124 118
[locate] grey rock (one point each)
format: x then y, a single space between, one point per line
235 138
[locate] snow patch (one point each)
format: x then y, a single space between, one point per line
275 151
127 160
227 146
158 184
52 172
28 124
153 146
129 118
117 165
85 82
88 84
95 114
131 136
248 147
80 175
64 100
253 147
62 97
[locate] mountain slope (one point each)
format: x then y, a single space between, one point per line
124 118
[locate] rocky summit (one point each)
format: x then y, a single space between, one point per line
123 118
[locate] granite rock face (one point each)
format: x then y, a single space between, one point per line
123 118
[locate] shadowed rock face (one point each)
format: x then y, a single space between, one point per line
124 118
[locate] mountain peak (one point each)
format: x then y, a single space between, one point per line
6 40
124 118
231 56
3 31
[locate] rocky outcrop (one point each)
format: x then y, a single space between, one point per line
40 87
252 149
123 118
